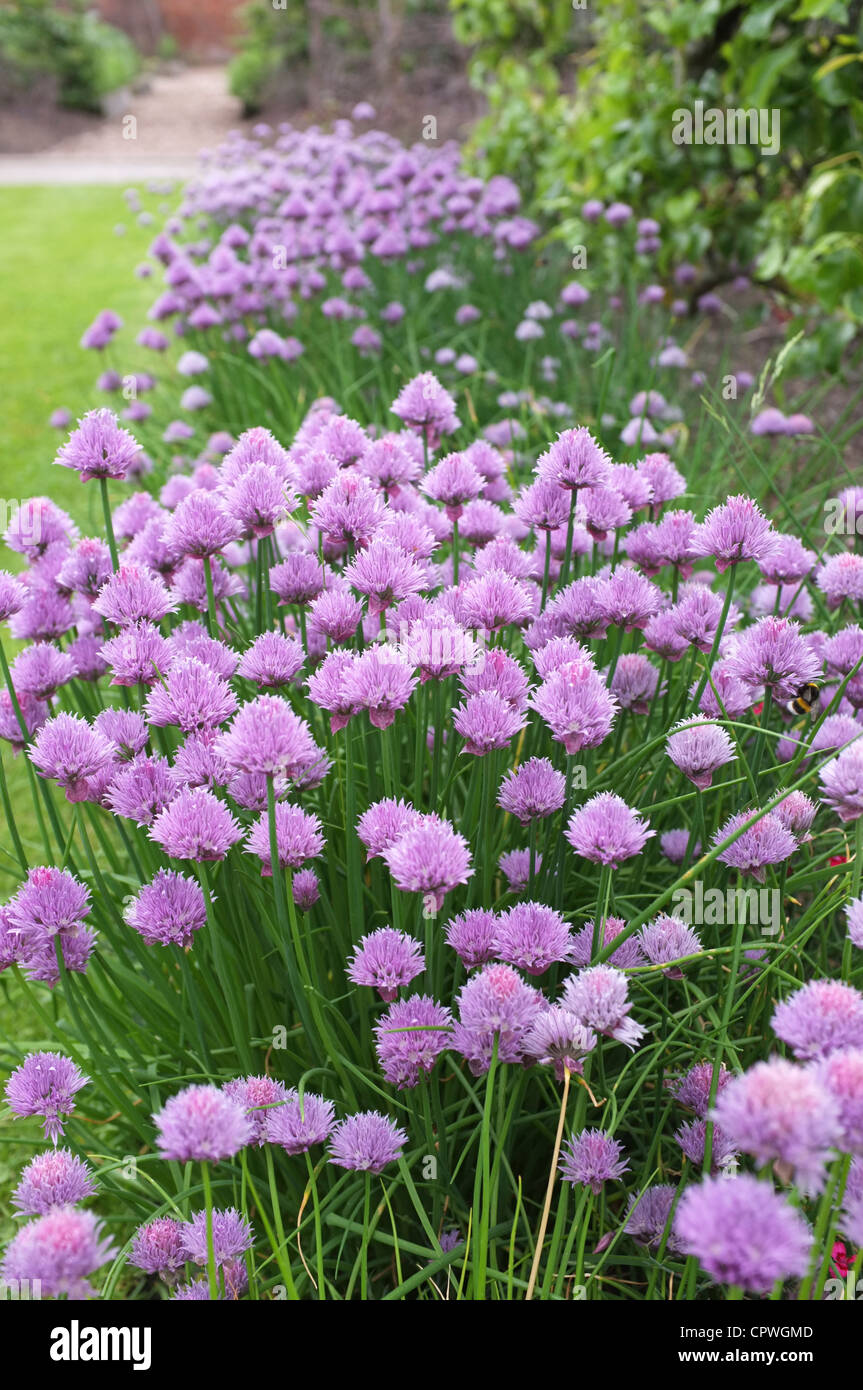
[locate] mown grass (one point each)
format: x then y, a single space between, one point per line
61 263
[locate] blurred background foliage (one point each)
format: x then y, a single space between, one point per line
581 104
88 57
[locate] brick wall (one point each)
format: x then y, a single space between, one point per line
201 28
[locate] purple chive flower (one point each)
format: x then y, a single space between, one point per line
532 791
51 902
693 1089
576 705
190 640
199 526
627 599
57 1252
516 866
232 1236
54 1178
86 654
141 790
607 831
99 447
765 842
494 600
68 750
349 511
577 610
438 646
258 501
299 1124
387 462
157 1247
773 653
381 825
692 1138
298 838
271 661
543 505
471 935
13 595
532 936
487 721
133 595
667 939
556 653
336 614
298 579
499 672
306 889
197 1291
575 460
258 1095
266 736
742 1232
821 1017
386 959
196 825
674 845
37 524
796 812
45 1084
429 858
841 577
559 1039
628 953
592 1158
40 670
426 408
647 1216
854 913
788 563
328 688
841 1074
203 1124
454 481
169 909
734 698
34 713
137 656
366 1142
698 749
496 1008
735 530
598 998
125 728
779 1110
192 697
605 511
842 782
385 574
380 681
410 1037
634 682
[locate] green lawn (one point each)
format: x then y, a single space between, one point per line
60 264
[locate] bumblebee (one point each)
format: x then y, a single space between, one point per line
805 699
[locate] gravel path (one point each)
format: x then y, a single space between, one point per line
151 134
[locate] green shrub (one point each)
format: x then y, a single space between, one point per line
273 38
582 104
89 57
